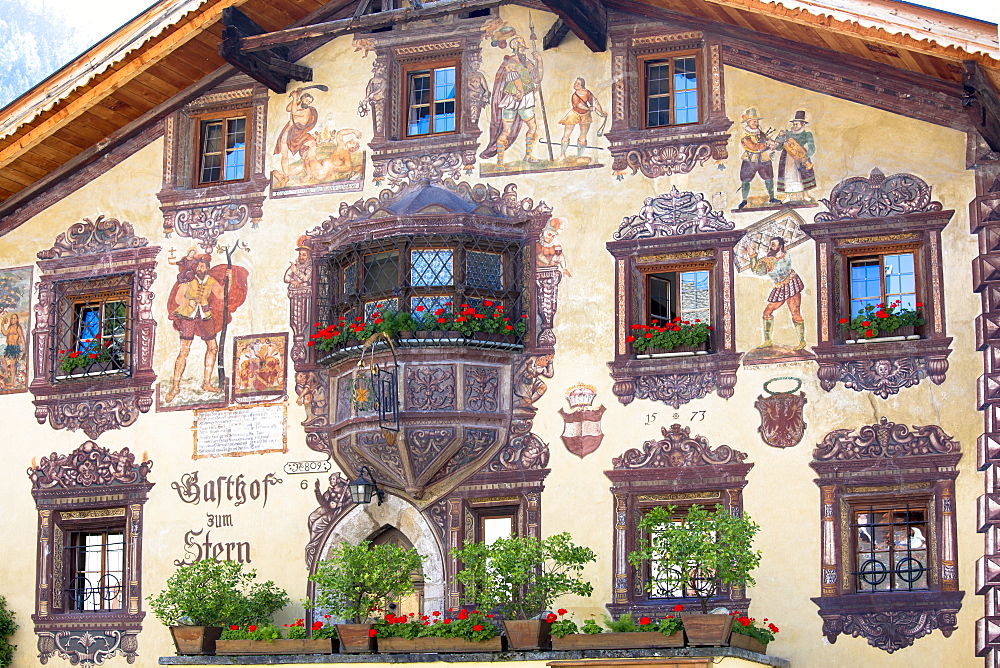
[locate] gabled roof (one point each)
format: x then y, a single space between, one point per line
169 54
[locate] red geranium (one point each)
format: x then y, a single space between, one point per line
372 633
252 628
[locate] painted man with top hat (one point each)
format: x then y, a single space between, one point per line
757 146
795 166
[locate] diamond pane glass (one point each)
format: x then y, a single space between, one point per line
431 267
430 304
381 271
484 270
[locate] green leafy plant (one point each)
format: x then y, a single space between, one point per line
7 628
564 625
474 625
591 627
251 632
521 577
749 626
90 352
698 552
625 624
669 335
357 580
873 319
216 593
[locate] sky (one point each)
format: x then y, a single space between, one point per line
37 37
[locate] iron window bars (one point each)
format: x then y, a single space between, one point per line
93 322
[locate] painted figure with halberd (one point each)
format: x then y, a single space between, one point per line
196 308
515 94
757 145
583 104
795 167
787 290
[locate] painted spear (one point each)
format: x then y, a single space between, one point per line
541 98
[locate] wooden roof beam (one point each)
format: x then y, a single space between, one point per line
982 103
588 19
332 29
555 35
271 67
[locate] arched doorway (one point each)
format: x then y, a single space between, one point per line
414 603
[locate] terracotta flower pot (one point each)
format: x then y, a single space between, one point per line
746 642
707 630
355 638
631 640
527 634
195 639
433 645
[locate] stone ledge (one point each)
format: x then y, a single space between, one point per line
474 657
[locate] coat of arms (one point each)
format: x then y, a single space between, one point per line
582 429
781 421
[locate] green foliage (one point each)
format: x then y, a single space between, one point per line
10 293
217 593
7 628
625 624
873 319
468 625
251 632
669 335
522 576
749 626
591 627
357 580
90 352
699 552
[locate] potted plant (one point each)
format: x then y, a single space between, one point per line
200 598
696 554
520 578
751 635
455 631
624 633
268 639
881 321
670 338
356 581
7 628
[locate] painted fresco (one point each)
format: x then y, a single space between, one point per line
518 110
259 363
312 155
779 160
201 292
15 307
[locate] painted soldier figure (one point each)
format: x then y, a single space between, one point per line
788 287
757 146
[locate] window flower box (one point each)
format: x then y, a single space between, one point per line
277 646
676 351
437 645
906 333
629 640
747 643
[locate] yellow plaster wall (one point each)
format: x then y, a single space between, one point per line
780 495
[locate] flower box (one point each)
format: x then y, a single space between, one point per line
431 337
707 630
356 638
898 334
199 640
495 340
748 643
631 640
437 645
527 634
277 646
676 351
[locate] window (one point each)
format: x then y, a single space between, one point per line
668 107
432 100
671 90
498 523
94 330
868 255
88 575
222 150
679 470
93 327
421 274
674 259
889 535
95 561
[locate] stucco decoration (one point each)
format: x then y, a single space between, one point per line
94 236
677 449
334 503
890 631
677 389
206 224
878 196
87 648
432 166
89 465
884 440
672 214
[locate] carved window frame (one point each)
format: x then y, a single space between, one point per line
670 149
198 122
90 487
675 380
94 403
858 224
206 211
407 70
397 51
875 463
681 470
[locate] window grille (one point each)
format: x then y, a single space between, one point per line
93 325
95 562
